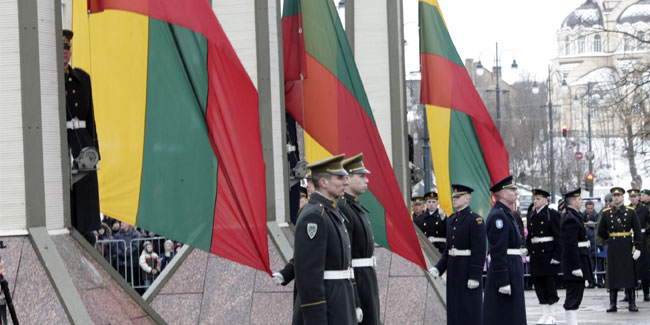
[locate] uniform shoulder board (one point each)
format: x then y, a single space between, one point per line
631 208
606 209
479 220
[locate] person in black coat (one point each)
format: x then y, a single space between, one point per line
82 133
504 288
463 260
363 241
433 222
643 263
576 265
322 256
543 244
619 226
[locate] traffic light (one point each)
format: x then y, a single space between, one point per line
564 131
589 181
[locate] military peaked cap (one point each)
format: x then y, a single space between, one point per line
633 191
431 195
331 165
417 200
303 192
540 193
574 193
617 190
67 36
354 165
507 182
458 190
646 191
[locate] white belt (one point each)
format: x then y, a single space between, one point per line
75 124
339 275
514 251
537 240
459 252
364 262
437 239
585 243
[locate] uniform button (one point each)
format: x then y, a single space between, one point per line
425 223
74 91
542 251
349 246
76 104
436 222
69 79
452 246
542 222
541 232
454 228
346 230
452 237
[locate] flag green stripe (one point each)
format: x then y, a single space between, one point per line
466 157
291 8
377 217
325 40
436 39
179 164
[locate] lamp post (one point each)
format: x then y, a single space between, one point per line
590 88
551 161
497 72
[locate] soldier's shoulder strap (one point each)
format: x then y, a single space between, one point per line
607 209
630 208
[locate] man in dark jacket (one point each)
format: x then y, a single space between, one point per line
363 241
463 260
619 226
643 263
543 244
322 256
433 222
591 217
84 193
576 265
504 288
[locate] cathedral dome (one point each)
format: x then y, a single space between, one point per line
638 12
587 15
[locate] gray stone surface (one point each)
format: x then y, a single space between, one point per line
190 276
272 308
406 300
180 308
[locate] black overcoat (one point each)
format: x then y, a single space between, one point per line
643 263
546 223
621 270
433 224
573 231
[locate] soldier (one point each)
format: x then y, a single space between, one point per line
84 194
363 241
576 265
645 200
322 256
643 263
504 288
463 258
619 226
433 222
543 244
418 206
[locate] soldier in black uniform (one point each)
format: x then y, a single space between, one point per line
543 244
643 263
433 222
82 133
363 241
322 256
504 301
645 201
463 259
417 202
619 226
576 265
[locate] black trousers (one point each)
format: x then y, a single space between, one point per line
546 289
574 291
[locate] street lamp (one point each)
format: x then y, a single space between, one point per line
497 69
590 97
549 91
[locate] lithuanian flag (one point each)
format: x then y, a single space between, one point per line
325 96
465 144
178 123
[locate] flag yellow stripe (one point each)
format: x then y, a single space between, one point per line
435 4
313 150
113 48
439 121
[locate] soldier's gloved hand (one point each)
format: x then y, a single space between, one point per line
359 315
472 284
636 254
434 272
278 279
554 261
524 252
577 272
506 290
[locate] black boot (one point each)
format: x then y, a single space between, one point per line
646 290
612 301
631 298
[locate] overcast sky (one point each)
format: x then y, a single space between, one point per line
524 28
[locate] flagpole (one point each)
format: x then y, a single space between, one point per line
426 153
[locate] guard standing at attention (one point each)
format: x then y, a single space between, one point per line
463 260
504 288
433 222
543 244
322 256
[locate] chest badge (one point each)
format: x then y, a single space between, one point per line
499 223
312 228
480 221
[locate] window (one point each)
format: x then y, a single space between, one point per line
597 44
640 45
567 46
628 44
581 44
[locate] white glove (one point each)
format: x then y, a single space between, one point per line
430 239
505 290
359 315
636 254
434 272
472 284
524 252
577 272
278 278
554 261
